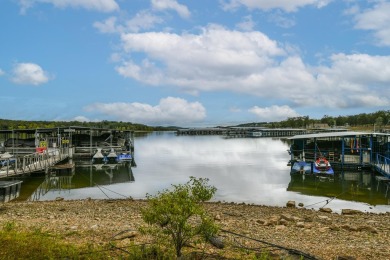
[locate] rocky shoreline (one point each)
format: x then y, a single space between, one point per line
323 234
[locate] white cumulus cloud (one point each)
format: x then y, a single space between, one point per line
1 72
279 19
376 19
286 5
355 80
214 59
218 59
29 74
96 5
182 10
246 24
108 26
143 20
170 110
273 113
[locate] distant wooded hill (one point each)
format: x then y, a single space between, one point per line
379 119
6 124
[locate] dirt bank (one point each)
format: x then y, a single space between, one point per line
321 234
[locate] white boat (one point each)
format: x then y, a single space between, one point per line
5 156
112 157
98 157
322 165
6 159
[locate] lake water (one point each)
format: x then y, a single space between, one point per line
249 170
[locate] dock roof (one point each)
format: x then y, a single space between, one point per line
332 134
60 129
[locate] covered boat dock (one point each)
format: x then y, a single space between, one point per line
23 151
344 150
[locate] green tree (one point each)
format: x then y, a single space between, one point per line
379 121
178 215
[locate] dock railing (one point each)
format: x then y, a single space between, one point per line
312 155
382 165
34 162
361 157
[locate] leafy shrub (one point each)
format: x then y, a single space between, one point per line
178 215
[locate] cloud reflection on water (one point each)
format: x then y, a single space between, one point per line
250 170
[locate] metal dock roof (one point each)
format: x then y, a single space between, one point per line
333 134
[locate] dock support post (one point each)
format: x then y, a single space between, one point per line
342 155
371 142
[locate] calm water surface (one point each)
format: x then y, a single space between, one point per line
250 170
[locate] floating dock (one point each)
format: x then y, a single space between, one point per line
9 190
344 150
26 151
237 132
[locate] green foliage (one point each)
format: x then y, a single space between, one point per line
381 117
6 124
142 252
42 245
178 215
9 226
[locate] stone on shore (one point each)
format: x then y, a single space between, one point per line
290 204
350 211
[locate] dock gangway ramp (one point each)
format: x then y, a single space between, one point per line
382 165
34 162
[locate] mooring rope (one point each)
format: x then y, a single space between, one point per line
327 200
290 250
97 185
127 197
102 187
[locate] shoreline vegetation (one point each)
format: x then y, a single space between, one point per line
378 121
102 228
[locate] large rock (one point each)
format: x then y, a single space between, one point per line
327 210
290 204
350 211
368 229
325 218
126 234
286 217
300 224
283 222
349 227
280 227
217 242
343 257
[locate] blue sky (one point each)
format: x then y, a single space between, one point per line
193 62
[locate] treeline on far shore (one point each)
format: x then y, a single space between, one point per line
379 119
6 124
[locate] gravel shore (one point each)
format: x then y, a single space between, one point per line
323 234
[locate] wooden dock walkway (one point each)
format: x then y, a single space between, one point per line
34 162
